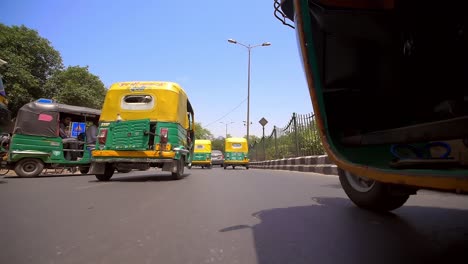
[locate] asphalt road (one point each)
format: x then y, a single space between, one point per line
220 216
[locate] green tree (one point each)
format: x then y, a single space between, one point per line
202 133
31 61
218 143
76 86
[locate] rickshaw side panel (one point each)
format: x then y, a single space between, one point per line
40 144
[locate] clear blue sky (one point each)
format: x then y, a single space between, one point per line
182 41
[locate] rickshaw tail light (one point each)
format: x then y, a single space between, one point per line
102 138
163 135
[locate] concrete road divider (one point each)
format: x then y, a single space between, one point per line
317 164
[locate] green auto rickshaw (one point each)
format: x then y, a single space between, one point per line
202 154
144 124
388 84
236 152
36 143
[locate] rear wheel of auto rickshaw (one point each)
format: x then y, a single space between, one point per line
108 172
177 175
29 167
84 170
224 166
210 167
247 167
233 167
372 195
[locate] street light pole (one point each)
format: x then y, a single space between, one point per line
249 48
226 127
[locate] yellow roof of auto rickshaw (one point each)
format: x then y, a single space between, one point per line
236 140
163 85
203 141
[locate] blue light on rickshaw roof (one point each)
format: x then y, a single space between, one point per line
45 101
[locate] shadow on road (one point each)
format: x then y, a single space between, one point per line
47 176
142 178
335 231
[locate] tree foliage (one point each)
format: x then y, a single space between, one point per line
202 133
31 60
76 86
218 143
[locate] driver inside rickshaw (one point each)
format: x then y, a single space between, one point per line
65 127
69 143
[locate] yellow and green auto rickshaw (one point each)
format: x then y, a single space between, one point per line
202 154
36 142
236 152
389 88
144 124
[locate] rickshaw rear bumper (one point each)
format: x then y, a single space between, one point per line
130 160
236 162
201 162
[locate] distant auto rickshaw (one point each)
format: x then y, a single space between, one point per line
236 153
202 154
144 124
388 86
36 143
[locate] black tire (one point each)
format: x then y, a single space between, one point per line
247 167
124 170
180 169
372 195
224 166
108 172
29 167
84 170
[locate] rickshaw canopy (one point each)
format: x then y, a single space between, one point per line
202 145
41 118
236 145
158 101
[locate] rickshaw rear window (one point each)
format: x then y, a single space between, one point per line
236 145
199 147
137 102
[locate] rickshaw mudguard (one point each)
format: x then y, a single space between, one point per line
17 155
450 180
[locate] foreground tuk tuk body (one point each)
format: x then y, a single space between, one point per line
236 152
36 143
144 124
388 85
202 153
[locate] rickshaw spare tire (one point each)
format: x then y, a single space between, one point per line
29 167
108 172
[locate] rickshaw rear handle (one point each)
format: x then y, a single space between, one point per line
149 133
184 151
